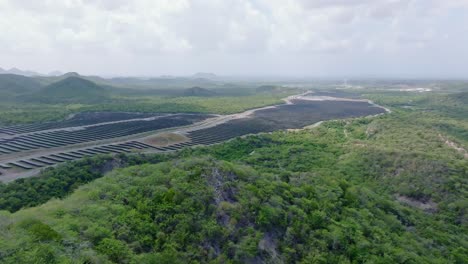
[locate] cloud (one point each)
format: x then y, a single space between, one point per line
214 33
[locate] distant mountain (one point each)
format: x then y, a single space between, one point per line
71 74
267 88
73 89
205 75
198 91
55 73
58 76
19 72
17 84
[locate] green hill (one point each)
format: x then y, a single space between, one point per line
73 89
268 89
198 91
461 97
381 190
17 84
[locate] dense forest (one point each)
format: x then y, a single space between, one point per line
386 189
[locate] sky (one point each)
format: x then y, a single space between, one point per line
300 38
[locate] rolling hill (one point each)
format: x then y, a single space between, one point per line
198 91
73 89
19 72
13 85
205 75
267 89
461 97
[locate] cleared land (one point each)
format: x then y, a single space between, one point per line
299 114
27 149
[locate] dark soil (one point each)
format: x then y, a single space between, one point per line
302 113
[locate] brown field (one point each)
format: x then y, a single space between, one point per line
165 139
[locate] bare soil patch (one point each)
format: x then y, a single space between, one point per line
454 146
165 139
428 206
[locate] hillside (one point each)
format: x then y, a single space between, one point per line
383 189
73 89
198 91
268 89
205 75
133 83
17 71
17 84
368 190
461 97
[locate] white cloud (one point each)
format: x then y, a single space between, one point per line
170 31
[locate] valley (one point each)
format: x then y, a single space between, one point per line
26 149
233 132
186 170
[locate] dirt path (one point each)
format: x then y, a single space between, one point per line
144 137
207 123
454 146
304 96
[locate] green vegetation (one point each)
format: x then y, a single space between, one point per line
198 91
52 183
31 113
194 104
72 90
387 189
18 113
219 105
444 112
11 84
61 181
34 100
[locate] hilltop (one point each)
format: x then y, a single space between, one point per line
73 89
267 88
19 72
205 75
12 85
198 91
